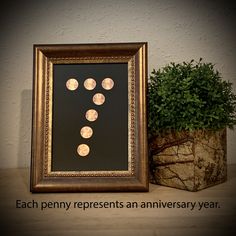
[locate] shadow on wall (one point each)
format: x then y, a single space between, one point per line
24 143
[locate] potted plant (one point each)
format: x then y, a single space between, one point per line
189 108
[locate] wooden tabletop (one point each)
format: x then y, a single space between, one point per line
175 212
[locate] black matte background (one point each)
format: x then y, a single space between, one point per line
109 143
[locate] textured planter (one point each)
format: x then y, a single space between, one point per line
189 160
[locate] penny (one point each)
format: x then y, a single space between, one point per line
83 150
91 115
86 132
72 84
90 84
107 83
98 98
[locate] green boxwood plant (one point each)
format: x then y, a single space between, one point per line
189 96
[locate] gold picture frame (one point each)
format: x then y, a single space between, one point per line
115 158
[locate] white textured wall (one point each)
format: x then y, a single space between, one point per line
174 30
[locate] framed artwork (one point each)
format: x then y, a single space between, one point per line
89 118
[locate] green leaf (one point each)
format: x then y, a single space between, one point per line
189 95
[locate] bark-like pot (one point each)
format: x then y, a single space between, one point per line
188 160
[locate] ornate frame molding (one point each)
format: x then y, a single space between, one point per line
43 179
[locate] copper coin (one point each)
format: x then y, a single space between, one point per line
90 84
86 132
72 84
83 150
107 83
98 98
91 115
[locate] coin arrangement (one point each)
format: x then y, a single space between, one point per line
91 115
